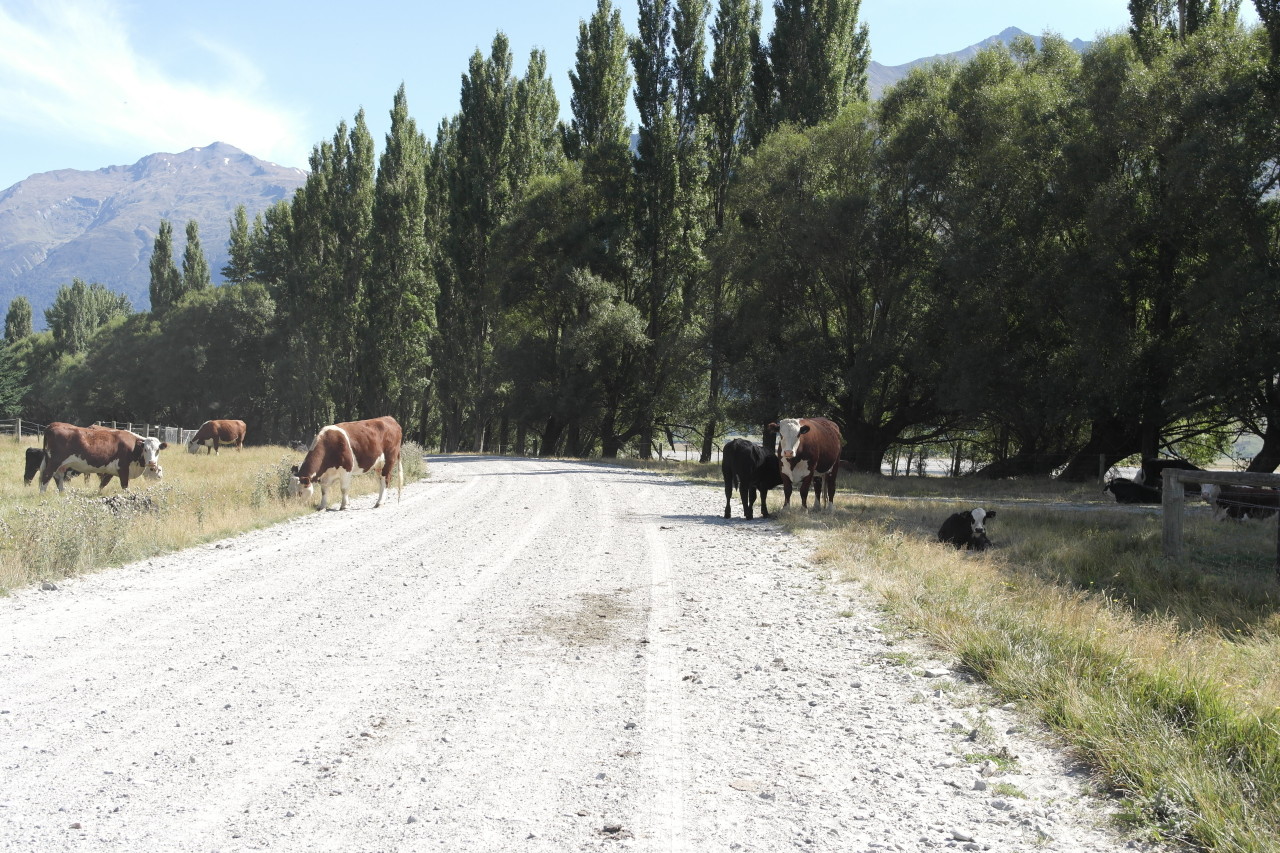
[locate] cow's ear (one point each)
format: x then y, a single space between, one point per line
804 429
163 445
991 513
293 469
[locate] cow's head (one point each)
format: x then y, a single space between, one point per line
789 432
147 452
301 487
978 540
193 446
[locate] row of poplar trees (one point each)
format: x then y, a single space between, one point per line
1055 257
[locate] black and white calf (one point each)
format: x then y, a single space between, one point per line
751 469
1126 491
967 529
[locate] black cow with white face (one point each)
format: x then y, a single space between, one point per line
967 529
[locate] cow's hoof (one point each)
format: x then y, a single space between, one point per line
728 514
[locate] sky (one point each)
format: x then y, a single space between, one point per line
86 84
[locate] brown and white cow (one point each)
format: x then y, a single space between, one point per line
215 434
99 450
810 449
341 451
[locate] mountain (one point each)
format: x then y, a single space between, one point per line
881 77
100 226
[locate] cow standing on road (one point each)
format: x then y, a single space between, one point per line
99 450
751 469
341 451
215 434
810 449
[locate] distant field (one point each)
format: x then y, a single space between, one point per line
202 498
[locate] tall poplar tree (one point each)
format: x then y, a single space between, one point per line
670 206
395 369
239 266
195 268
728 102
817 61
166 279
17 322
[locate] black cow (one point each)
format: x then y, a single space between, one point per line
35 458
967 529
1126 491
749 468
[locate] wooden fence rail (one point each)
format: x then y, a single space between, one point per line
1173 501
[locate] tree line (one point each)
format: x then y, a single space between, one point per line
1046 255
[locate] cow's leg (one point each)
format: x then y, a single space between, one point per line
831 488
786 493
324 495
728 494
747 494
103 479
804 491
382 490
764 503
346 486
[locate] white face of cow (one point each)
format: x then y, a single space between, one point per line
789 432
151 448
193 446
979 517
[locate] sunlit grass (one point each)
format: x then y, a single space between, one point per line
1162 674
202 498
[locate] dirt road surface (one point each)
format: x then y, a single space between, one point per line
521 655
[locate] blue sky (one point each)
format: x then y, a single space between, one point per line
91 83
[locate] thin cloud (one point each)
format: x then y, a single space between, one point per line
70 68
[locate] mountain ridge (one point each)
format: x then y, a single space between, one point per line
100 225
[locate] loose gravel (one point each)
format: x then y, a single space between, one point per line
520 655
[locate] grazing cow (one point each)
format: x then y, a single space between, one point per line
751 469
810 448
1241 502
35 458
341 451
1126 491
967 529
215 434
1152 473
99 450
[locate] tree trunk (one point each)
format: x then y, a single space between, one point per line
1268 458
1022 465
1113 439
551 436
866 447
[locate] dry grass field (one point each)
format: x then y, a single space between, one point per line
202 498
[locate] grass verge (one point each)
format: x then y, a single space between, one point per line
202 498
1161 674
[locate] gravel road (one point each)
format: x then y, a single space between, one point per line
521 655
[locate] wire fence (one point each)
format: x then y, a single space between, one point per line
20 428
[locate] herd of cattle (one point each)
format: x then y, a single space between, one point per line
338 453
1235 501
804 452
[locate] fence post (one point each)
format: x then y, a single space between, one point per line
17 429
1171 506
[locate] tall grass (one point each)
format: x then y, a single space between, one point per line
1162 674
202 498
